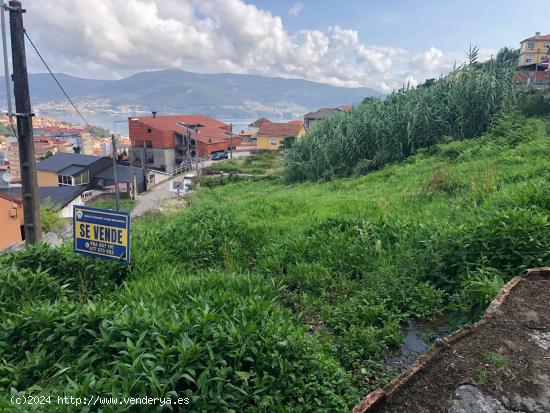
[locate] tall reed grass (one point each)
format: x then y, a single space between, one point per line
459 106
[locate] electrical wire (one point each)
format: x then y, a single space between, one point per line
55 78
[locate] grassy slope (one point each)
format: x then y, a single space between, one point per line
264 164
220 296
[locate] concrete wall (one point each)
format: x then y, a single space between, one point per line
10 225
162 158
67 212
265 142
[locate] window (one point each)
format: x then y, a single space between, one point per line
547 45
83 178
531 45
528 59
149 130
273 141
65 180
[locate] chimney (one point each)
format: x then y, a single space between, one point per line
537 34
154 113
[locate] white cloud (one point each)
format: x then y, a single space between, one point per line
114 38
296 9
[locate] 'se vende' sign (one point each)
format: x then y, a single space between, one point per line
101 233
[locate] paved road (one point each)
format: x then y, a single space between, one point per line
153 199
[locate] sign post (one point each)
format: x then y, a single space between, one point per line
101 233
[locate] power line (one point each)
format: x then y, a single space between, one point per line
55 78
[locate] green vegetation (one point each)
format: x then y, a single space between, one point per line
482 375
269 297
264 164
495 359
50 216
460 106
125 204
535 102
98 131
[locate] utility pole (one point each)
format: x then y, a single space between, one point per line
189 160
134 179
231 141
197 150
143 166
115 172
6 68
31 201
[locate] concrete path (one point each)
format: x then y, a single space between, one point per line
153 199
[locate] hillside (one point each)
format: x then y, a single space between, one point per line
268 297
176 91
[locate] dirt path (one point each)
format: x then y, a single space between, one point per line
501 364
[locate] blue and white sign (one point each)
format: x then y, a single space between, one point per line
101 233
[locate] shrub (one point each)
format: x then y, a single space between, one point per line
50 216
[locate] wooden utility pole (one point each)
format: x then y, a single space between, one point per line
115 172
31 201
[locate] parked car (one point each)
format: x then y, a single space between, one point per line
218 156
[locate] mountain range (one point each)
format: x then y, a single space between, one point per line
222 96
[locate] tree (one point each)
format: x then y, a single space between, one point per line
47 155
98 132
507 54
50 216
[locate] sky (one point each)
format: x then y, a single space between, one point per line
352 43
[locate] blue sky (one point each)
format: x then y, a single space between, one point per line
417 25
379 44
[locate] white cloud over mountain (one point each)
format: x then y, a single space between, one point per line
110 38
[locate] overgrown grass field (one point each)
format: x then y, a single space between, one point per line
271 297
263 164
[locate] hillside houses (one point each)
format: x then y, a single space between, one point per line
534 62
166 141
321 114
271 136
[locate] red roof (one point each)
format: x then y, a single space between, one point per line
11 197
539 38
259 123
210 130
292 128
346 108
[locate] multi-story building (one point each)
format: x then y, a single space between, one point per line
163 142
535 51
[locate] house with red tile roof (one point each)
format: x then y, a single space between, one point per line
271 135
166 141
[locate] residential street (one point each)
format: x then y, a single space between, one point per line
153 199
